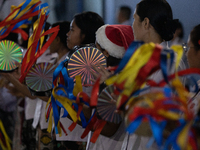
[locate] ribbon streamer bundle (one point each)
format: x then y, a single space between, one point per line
18 18
35 43
70 97
163 104
133 84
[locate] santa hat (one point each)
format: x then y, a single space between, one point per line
115 39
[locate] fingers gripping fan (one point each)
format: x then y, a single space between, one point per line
106 106
39 79
10 54
81 61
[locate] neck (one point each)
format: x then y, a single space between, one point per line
62 51
153 36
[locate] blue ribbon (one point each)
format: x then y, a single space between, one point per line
167 92
22 8
26 21
68 87
164 62
157 130
83 120
134 125
61 93
191 82
171 140
56 113
58 70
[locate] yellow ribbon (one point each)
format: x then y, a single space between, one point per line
50 121
67 104
23 11
32 37
7 139
180 89
78 86
182 139
130 71
169 115
179 50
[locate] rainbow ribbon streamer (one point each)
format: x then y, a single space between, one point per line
62 97
146 60
18 18
35 42
163 103
70 97
160 108
130 80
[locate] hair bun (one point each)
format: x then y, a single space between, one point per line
168 29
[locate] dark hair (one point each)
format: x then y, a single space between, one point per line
195 36
62 33
179 26
88 22
113 61
12 37
126 11
160 16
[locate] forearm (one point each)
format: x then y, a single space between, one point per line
22 88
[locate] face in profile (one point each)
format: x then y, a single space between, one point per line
102 50
192 55
137 27
74 36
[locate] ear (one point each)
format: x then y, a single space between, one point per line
82 37
57 39
105 52
146 24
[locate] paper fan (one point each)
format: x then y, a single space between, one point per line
80 63
39 79
10 53
106 106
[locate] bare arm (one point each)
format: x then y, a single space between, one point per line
21 87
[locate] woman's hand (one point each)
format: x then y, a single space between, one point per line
100 71
14 91
17 72
11 75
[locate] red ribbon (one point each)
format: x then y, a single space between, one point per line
95 93
153 63
170 77
99 126
63 129
27 66
95 124
12 23
89 126
192 140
